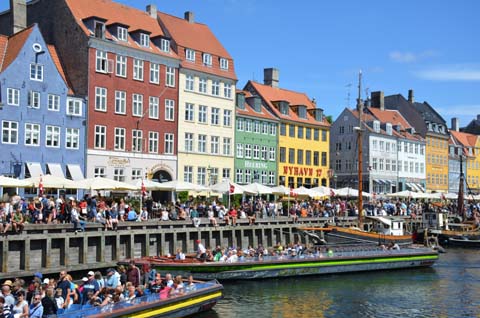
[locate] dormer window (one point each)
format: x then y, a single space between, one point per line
165 45
122 34
284 107
376 126
389 129
144 40
302 112
223 63
190 55
99 29
207 59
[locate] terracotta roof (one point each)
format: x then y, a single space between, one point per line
249 111
273 94
466 139
58 64
3 48
389 116
14 45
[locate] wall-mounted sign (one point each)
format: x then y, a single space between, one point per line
302 171
118 162
255 165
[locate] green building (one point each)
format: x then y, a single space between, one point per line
256 141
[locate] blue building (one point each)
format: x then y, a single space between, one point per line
42 120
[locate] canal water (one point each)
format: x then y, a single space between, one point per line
451 288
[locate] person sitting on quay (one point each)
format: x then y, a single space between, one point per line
77 219
231 217
132 215
144 214
211 218
18 221
194 216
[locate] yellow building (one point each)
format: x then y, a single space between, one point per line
437 162
303 143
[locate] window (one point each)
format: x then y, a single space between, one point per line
188 142
169 139
215 116
215 88
227 117
291 130
190 55
382 145
227 90
202 143
100 137
144 40
283 129
226 146
189 112
207 59
189 82
32 134
136 173
137 105
264 153
239 150
119 174
324 135
119 135
120 102
223 63
256 127
9 132
316 134
122 34
248 176
405 166
52 136
214 143
248 151
324 158
308 157
153 107
271 155
202 114
154 73
271 178
308 133
201 175
283 154
202 85
316 158
300 156
153 142
99 172
36 72
53 102
375 164
72 138
13 96
338 164
291 155
137 140
273 129
399 165
381 164
74 107
387 164
188 174
101 99
239 176
121 67
256 152
170 76
99 29
240 124
226 173
34 99
101 64
137 70
169 109
394 165
165 45
300 132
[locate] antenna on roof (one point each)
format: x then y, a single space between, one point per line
348 94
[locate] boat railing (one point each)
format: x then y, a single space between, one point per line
79 311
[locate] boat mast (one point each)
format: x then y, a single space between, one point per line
360 151
460 187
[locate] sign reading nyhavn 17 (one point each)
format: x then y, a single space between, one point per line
302 171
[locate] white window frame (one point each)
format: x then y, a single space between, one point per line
188 174
154 73
169 109
101 99
99 172
227 142
153 141
72 138
207 59
202 114
189 82
121 66
153 107
272 154
223 63
137 105
9 132
215 88
170 76
36 72
202 85
74 107
248 151
122 34
169 144
227 90
52 136
120 102
189 140
144 40
32 133
239 176
120 138
53 102
190 55
13 96
240 124
214 145
138 69
137 140
201 175
227 118
34 99
256 152
136 173
119 174
239 150
100 141
215 116
101 62
202 143
165 45
189 112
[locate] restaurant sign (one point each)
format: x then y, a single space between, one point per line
302 171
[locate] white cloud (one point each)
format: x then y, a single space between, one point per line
460 72
410 57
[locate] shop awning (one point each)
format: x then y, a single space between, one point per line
75 172
35 169
55 170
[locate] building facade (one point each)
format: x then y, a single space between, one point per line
464 149
42 119
256 141
303 142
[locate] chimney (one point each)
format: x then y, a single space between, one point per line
19 15
189 16
378 100
455 124
152 10
271 77
411 98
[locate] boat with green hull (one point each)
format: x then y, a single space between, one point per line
339 260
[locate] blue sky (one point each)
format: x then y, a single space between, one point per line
430 46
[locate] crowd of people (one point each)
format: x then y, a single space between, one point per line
46 297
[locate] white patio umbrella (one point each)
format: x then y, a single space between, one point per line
178 186
226 186
149 184
302 191
100 183
350 192
280 190
7 182
324 190
51 182
258 188
404 194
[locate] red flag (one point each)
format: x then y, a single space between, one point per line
292 194
40 186
232 188
332 193
144 190
443 196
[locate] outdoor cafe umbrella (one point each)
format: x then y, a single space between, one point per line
258 188
302 191
99 183
149 185
7 182
404 194
228 186
280 190
179 186
51 182
350 192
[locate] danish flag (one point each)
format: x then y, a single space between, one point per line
332 193
144 190
40 186
231 189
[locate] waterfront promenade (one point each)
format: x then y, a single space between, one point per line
50 248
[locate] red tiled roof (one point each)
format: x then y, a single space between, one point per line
3 49
14 45
58 64
466 139
249 111
389 116
272 94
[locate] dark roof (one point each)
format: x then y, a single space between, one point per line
428 113
473 127
410 113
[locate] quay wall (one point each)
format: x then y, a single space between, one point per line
54 247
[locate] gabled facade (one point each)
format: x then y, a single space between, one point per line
303 142
206 101
120 57
256 140
465 148
42 119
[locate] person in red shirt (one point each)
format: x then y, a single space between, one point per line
232 216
